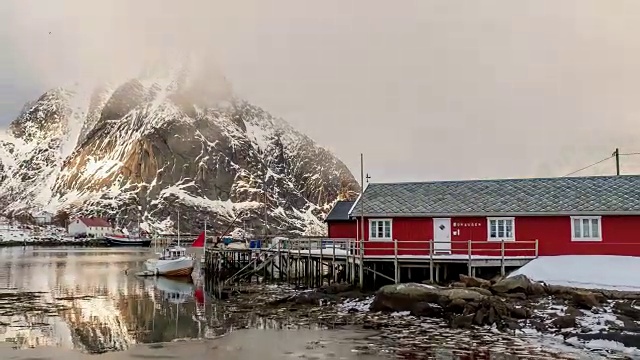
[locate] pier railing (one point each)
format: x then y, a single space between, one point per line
469 252
410 248
453 248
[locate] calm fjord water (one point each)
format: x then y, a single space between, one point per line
86 299
57 301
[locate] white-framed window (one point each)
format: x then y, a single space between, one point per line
501 228
586 228
380 229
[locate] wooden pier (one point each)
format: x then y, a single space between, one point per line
312 262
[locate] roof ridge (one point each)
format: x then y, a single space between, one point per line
505 179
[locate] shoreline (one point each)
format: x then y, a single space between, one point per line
90 243
264 308
522 318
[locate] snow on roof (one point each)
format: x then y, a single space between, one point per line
604 272
95 222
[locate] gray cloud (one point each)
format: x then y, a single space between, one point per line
426 89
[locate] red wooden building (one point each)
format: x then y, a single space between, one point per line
552 216
339 224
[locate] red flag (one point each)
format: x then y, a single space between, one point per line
199 295
199 242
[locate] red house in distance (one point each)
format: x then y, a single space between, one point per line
598 215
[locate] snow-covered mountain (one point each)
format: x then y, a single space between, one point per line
158 145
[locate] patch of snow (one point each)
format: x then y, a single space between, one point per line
401 313
605 272
402 286
259 136
225 208
607 345
597 322
354 304
557 343
100 168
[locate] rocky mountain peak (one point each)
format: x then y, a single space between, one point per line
153 145
45 118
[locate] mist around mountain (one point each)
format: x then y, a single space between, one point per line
168 142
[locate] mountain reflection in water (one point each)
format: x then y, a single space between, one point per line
82 298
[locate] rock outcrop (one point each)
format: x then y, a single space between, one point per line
503 303
463 307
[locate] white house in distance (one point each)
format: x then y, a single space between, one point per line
93 227
44 217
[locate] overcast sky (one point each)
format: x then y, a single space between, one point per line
446 89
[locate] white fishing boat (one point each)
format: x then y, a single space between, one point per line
174 261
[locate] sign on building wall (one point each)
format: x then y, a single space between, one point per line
467 224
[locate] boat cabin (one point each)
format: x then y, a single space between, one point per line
174 252
175 297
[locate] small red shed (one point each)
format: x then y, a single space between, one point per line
339 224
598 215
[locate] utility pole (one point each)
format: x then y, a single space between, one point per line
617 155
204 246
361 272
265 211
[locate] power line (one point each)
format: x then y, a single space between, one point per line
630 154
594 164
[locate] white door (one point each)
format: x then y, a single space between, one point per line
442 235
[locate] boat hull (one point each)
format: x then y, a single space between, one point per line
181 267
114 241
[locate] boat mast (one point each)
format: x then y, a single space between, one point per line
178 227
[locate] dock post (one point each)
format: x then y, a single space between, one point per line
272 256
334 273
375 274
502 270
280 266
352 265
347 262
255 254
321 265
431 261
469 261
361 268
298 264
396 265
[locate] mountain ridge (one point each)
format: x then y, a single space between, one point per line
140 150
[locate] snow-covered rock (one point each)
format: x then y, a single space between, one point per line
157 145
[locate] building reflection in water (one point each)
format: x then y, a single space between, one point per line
96 306
84 299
